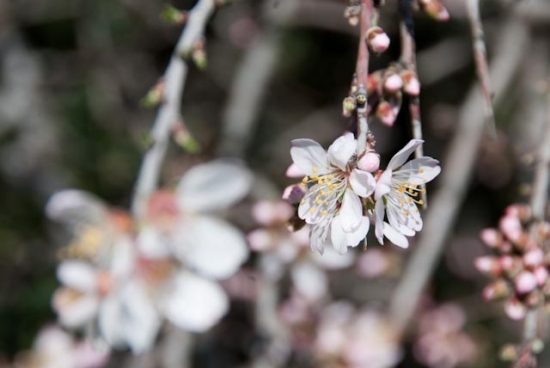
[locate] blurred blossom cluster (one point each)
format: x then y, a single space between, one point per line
521 261
124 278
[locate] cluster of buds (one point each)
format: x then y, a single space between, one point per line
385 89
521 265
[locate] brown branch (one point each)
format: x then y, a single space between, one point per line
169 112
458 167
480 55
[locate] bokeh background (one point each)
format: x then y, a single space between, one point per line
73 73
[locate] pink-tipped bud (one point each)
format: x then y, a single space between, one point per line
264 213
386 113
496 290
515 309
377 40
488 265
294 171
260 240
533 258
507 262
491 238
294 193
511 227
369 162
373 82
393 83
411 84
525 282
541 274
521 211
436 10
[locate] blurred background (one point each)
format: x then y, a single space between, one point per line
73 73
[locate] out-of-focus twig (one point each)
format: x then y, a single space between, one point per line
480 56
457 171
169 112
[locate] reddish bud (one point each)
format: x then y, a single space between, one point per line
377 40
511 227
496 290
525 282
386 113
369 162
411 84
488 265
491 237
393 83
515 309
435 9
521 211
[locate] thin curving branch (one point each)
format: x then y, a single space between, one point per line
169 112
511 47
480 55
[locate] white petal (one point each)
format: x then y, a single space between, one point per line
213 186
400 157
152 244
122 257
74 311
399 221
211 246
331 260
362 182
111 323
341 151
194 304
379 211
356 236
338 236
77 275
308 154
383 185
294 171
318 235
310 281
423 170
351 211
395 237
76 208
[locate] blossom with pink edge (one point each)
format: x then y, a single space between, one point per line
397 193
332 204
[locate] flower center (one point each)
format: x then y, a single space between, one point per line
325 192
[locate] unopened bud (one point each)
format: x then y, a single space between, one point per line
511 265
508 353
511 227
496 290
543 230
386 113
521 211
260 240
199 58
184 139
488 265
173 15
515 309
373 82
491 237
369 162
377 40
411 84
525 282
348 106
541 274
393 83
533 258
435 9
154 96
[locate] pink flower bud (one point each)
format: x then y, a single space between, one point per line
515 309
411 83
491 237
283 211
496 290
393 83
525 282
373 82
533 258
511 227
377 40
488 265
436 10
260 240
294 171
264 213
507 262
541 274
369 162
386 113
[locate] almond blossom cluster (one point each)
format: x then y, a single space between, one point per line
121 280
520 264
343 193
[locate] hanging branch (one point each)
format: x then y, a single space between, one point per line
169 112
511 48
362 74
480 55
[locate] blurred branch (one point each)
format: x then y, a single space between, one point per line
512 45
169 112
480 55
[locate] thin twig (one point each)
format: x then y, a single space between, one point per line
480 55
362 73
512 46
169 112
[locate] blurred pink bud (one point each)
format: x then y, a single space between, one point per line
515 309
411 83
386 113
507 262
373 81
372 264
269 213
541 274
260 240
511 227
436 10
393 83
294 172
521 211
294 193
525 282
369 162
491 237
377 40
496 290
488 265
533 258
